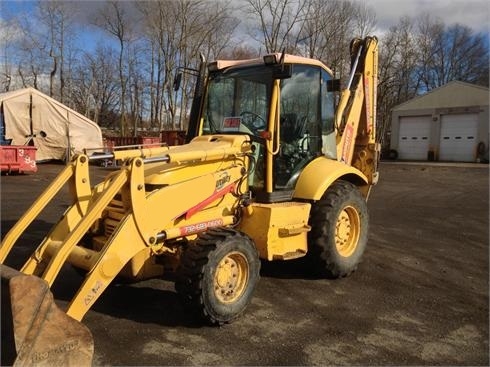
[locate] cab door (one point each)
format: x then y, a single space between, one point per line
306 130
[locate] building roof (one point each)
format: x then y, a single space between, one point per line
450 95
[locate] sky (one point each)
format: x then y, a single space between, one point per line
472 13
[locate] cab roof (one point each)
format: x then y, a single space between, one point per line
288 59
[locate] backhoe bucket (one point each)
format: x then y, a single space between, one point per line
35 332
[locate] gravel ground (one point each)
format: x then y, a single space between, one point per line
420 296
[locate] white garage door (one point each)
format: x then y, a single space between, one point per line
458 138
413 139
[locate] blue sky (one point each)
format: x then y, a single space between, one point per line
88 37
473 13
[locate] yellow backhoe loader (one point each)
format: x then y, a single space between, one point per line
275 167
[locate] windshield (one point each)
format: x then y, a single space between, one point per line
238 101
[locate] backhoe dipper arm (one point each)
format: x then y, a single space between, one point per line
356 114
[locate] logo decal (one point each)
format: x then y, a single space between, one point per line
92 294
222 180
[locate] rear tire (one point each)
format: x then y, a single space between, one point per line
217 275
339 222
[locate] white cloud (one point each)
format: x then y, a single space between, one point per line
9 32
472 13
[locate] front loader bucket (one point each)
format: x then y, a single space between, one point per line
34 330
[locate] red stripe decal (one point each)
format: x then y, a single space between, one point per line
209 200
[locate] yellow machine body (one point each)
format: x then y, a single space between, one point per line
142 207
168 206
278 229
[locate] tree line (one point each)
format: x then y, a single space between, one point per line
125 81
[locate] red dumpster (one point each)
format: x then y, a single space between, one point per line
131 142
17 158
173 137
149 141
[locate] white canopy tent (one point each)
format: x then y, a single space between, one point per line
33 118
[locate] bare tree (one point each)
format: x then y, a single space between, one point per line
317 33
162 27
278 21
177 33
136 86
429 31
364 19
114 19
49 15
95 87
154 16
31 61
132 82
207 29
10 31
23 52
240 52
398 80
451 53
329 28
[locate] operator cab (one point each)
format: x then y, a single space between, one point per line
254 98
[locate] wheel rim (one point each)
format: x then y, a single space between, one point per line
231 277
347 231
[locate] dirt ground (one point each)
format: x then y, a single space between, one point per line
420 296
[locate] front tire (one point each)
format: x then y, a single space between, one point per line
339 222
217 275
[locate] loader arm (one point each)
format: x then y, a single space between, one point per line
77 174
141 219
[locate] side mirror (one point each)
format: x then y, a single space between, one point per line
177 81
333 85
283 71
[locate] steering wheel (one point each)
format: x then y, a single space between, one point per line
253 120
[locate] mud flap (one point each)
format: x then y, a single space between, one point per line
34 330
